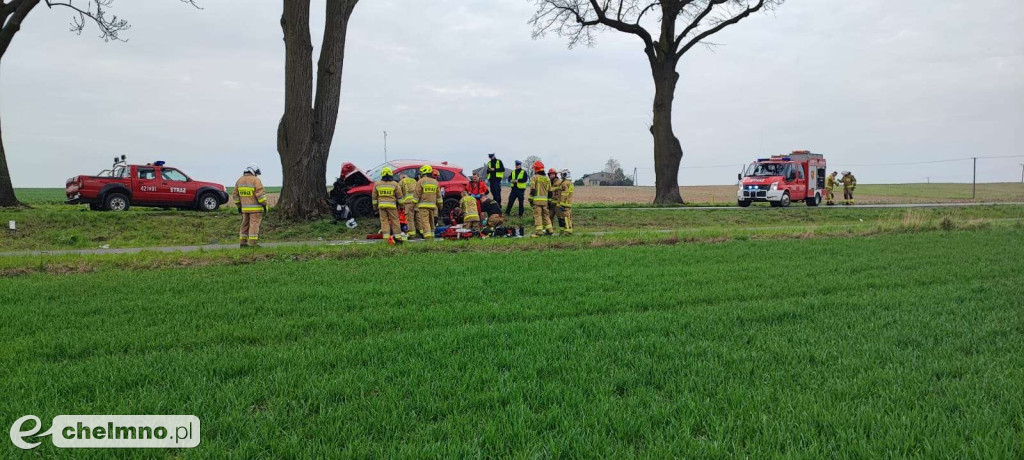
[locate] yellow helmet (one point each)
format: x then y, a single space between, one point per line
426 169
386 171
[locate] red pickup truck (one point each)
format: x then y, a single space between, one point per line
155 185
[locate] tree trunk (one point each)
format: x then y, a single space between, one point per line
667 151
307 127
7 197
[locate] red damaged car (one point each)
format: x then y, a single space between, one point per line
354 187
155 185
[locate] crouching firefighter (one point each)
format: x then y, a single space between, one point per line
470 213
386 195
564 209
251 200
428 200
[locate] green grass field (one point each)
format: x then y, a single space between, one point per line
886 346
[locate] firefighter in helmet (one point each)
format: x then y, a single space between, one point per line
553 193
386 195
849 183
251 200
470 213
540 185
564 210
408 203
428 201
830 184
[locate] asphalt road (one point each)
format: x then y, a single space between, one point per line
211 247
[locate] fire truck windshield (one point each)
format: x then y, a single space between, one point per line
767 169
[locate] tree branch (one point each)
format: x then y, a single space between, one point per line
12 24
718 27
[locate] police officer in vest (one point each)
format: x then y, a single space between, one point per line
495 174
517 184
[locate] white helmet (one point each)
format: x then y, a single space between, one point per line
253 168
565 173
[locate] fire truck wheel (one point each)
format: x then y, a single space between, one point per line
814 200
361 206
743 203
784 202
208 202
116 201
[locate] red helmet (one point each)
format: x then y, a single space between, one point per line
538 166
552 171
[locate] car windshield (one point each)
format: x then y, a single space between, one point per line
766 169
374 174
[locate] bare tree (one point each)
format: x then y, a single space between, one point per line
612 165
12 15
529 161
678 26
307 127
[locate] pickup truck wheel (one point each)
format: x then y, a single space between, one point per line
116 201
785 201
743 203
361 206
208 202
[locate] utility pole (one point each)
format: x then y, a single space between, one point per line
1022 173
928 179
974 180
385 146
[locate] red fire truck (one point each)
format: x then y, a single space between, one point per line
782 179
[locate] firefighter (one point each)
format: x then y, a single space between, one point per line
539 187
470 213
491 210
251 201
830 184
408 204
428 200
386 195
564 214
554 192
517 188
478 189
849 183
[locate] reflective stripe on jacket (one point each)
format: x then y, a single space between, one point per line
539 187
565 199
428 193
498 169
386 194
469 211
518 179
408 190
249 193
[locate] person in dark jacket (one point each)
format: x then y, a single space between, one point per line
517 182
495 174
491 211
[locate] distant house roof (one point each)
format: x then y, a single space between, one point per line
598 177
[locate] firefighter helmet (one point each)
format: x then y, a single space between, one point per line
565 174
552 171
538 166
386 171
253 169
426 169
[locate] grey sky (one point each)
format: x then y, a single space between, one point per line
866 82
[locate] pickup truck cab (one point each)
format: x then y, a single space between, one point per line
154 185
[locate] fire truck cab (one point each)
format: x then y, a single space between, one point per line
782 179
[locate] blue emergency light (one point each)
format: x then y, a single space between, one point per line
159 163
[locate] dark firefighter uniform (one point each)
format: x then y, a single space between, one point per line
386 195
492 209
849 183
251 200
428 200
